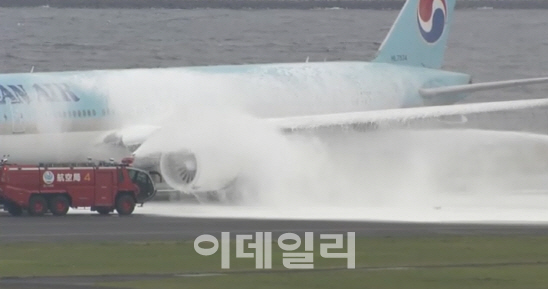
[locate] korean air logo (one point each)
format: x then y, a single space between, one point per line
431 16
48 177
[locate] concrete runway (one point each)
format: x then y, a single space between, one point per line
140 227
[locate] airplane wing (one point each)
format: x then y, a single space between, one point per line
401 115
132 137
467 88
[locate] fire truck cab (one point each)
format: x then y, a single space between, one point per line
103 187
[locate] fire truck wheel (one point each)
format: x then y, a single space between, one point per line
14 209
37 206
59 205
125 205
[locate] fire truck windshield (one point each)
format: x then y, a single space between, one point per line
143 180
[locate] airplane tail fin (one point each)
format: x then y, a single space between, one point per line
419 35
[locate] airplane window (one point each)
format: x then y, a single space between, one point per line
79 113
88 113
93 112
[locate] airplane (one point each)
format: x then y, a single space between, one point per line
64 115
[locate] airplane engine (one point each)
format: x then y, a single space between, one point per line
192 171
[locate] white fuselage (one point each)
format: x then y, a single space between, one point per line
64 115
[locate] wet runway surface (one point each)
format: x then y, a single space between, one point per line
96 228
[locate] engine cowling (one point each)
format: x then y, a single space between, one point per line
191 171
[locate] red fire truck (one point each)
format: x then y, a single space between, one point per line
103 187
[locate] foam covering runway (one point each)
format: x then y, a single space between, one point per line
475 189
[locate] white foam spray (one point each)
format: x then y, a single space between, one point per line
437 175
451 175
